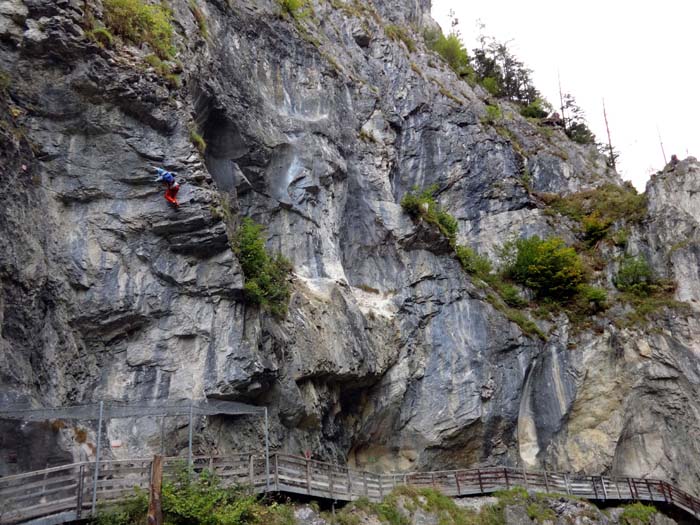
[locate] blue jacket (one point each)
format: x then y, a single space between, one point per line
165 176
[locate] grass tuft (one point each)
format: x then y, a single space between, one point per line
138 22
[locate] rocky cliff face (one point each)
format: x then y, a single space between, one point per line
390 354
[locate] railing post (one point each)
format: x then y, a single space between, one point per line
189 437
605 491
546 483
629 484
97 459
566 482
525 477
251 470
81 488
505 473
330 480
155 488
617 488
277 473
380 477
364 481
308 476
459 489
347 470
267 453
432 479
595 490
651 495
481 484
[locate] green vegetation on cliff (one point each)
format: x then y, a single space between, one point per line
597 210
139 22
265 276
547 266
422 203
556 274
192 499
451 49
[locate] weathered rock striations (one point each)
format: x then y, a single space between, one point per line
316 128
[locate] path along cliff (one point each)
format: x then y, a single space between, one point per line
317 127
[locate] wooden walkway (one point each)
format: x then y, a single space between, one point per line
61 494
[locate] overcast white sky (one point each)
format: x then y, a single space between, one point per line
642 56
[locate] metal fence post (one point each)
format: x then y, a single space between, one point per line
189 441
267 453
97 458
81 489
162 435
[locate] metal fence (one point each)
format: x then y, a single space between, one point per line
104 410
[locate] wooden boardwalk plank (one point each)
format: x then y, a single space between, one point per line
55 490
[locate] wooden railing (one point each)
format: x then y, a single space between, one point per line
65 493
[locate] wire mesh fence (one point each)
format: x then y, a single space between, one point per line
122 409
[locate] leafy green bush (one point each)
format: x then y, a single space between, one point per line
493 59
635 276
580 133
139 22
547 266
491 85
400 34
266 277
538 108
472 262
450 48
637 514
511 295
297 9
595 227
422 204
200 500
591 299
493 114
130 511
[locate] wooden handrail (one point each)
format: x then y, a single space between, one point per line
37 494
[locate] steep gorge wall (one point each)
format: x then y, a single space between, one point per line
390 353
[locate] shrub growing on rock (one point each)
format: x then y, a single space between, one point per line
635 276
548 266
637 514
139 22
450 48
423 204
472 262
297 9
598 209
538 108
266 277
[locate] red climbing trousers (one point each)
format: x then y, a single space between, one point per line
171 194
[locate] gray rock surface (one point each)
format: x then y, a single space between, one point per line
390 356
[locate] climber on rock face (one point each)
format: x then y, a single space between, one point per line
171 186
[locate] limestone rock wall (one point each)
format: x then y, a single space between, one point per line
390 356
